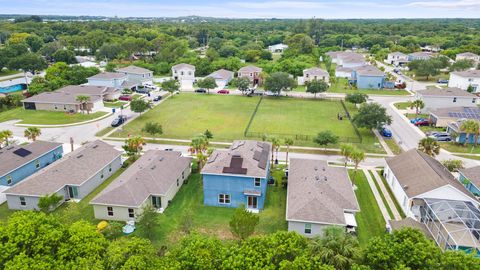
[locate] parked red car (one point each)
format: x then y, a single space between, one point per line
425 122
223 91
125 98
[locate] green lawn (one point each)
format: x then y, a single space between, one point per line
214 220
463 156
384 200
370 220
397 206
458 148
104 131
341 86
116 104
392 144
403 105
46 117
227 117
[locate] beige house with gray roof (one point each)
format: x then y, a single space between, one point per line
136 74
73 177
319 196
440 98
153 179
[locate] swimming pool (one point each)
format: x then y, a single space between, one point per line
13 88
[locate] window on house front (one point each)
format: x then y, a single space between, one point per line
257 182
110 211
9 179
183 175
101 175
37 163
56 107
131 213
454 99
22 201
224 198
181 73
308 228
110 167
178 182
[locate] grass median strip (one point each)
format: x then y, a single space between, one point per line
394 199
387 206
34 117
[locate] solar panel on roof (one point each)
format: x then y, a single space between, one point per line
22 152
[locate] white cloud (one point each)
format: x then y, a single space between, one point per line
462 4
279 5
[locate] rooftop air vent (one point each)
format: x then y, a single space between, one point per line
79 156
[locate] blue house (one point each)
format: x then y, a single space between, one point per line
20 161
460 136
368 77
237 176
470 178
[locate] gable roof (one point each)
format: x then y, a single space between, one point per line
468 73
421 54
183 65
397 54
92 90
457 112
467 54
222 74
473 174
58 98
318 192
107 76
134 70
243 158
152 174
73 169
11 158
316 71
446 92
248 69
419 173
369 70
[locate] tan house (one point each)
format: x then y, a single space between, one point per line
60 101
312 74
252 73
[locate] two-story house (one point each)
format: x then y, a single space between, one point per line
314 73
137 74
420 56
252 73
397 59
468 56
465 79
440 98
368 77
238 176
108 79
185 75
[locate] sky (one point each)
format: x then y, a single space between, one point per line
328 9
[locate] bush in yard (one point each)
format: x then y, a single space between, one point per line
325 138
139 105
243 223
207 83
372 116
153 128
316 86
453 165
356 98
49 202
147 222
278 82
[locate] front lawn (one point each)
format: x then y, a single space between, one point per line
116 104
392 144
460 148
46 117
341 86
403 105
369 220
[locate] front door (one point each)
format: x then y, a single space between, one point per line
156 202
72 192
252 202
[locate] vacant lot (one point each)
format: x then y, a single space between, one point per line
46 117
227 117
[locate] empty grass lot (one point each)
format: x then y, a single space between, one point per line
46 117
369 220
341 86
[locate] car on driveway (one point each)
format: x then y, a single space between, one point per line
125 98
414 120
119 120
442 81
424 122
157 98
223 91
200 90
386 132
442 137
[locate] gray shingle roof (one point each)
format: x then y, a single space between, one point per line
10 161
397 54
446 92
445 112
152 174
410 223
73 169
315 71
222 74
467 54
468 73
249 69
183 65
473 174
92 90
244 158
58 98
108 76
419 173
134 70
319 193
369 71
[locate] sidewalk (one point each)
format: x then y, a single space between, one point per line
389 200
377 196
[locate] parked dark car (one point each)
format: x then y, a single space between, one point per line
125 98
119 120
442 81
200 90
223 91
415 120
143 90
424 122
157 98
386 133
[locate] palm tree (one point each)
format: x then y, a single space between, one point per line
346 150
6 134
429 146
336 248
32 133
356 156
470 126
288 142
83 101
199 147
275 145
418 104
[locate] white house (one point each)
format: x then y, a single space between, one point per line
420 56
413 176
137 74
153 180
350 59
434 98
109 79
222 77
464 79
185 74
313 73
397 59
319 196
73 177
468 56
277 48
343 72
